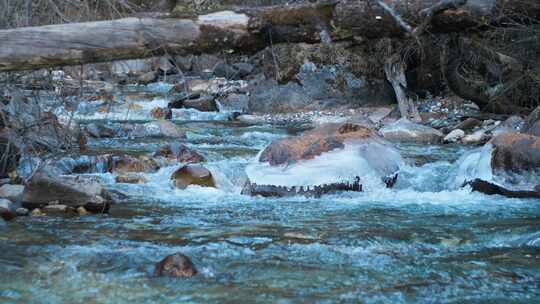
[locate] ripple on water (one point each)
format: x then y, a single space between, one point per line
426 240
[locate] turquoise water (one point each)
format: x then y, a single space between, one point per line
425 241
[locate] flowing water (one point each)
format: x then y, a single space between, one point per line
427 240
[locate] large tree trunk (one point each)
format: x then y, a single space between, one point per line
245 30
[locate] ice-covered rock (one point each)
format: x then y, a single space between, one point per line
332 157
508 165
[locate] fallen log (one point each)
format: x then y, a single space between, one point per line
242 30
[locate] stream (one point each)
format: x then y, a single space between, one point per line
427 240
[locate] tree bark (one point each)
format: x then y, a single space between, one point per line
242 30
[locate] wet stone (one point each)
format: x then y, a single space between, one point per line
176 265
192 175
131 178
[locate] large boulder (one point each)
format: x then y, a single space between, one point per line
515 152
192 175
406 131
333 157
180 153
175 265
43 188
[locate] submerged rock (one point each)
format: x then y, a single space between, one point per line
175 265
406 131
192 175
334 157
180 153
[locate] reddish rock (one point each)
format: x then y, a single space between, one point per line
176 265
180 153
514 152
126 163
315 142
192 175
161 113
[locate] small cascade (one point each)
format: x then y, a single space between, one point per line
472 165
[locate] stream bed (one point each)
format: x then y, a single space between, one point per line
427 240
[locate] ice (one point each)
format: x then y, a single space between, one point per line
340 165
475 164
